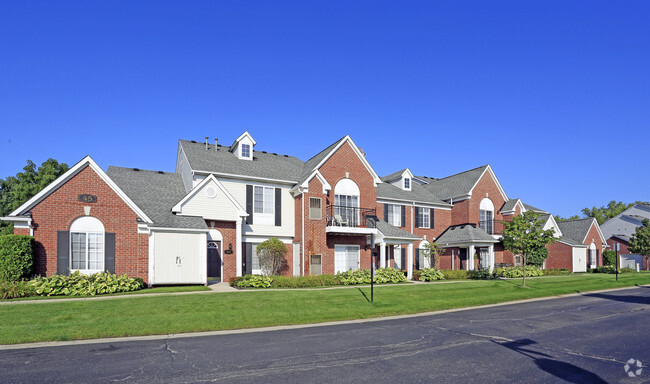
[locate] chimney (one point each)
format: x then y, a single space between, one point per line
216 141
206 142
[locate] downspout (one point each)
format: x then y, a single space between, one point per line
302 243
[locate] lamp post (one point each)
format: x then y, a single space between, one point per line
617 247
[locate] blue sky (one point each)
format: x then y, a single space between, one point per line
555 95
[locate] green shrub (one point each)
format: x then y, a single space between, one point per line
16 257
359 276
388 275
606 269
479 274
513 272
16 289
556 272
304 281
430 274
627 270
77 284
609 257
457 274
255 281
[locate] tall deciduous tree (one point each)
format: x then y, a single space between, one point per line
16 190
613 208
432 252
271 254
640 242
525 236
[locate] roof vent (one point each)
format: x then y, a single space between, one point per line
216 144
161 172
193 141
136 169
206 142
286 155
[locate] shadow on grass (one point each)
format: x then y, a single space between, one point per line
564 371
364 294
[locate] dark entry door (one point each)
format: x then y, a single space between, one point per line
214 259
462 255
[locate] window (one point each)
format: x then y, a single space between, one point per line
316 265
346 203
246 151
264 205
487 216
423 217
346 258
87 245
315 208
394 214
407 183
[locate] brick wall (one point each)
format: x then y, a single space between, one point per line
594 236
58 210
560 255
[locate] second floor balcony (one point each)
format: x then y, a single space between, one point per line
491 226
352 220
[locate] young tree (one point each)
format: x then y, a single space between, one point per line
432 252
271 254
640 242
525 236
15 190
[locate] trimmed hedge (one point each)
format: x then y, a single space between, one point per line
429 274
16 257
556 272
510 272
609 257
77 284
606 269
304 281
456 274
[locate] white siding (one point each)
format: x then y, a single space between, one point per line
183 167
179 258
218 207
237 189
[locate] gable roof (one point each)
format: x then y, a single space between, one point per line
576 231
240 138
177 208
394 176
417 194
156 192
268 166
531 208
392 232
461 184
626 222
464 234
69 174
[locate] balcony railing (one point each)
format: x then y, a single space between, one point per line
492 227
343 216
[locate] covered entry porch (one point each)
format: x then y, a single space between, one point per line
470 248
395 248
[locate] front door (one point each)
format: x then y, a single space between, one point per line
462 256
214 259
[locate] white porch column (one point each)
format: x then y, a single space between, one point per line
409 261
382 255
238 246
470 258
491 257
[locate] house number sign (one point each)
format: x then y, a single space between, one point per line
88 198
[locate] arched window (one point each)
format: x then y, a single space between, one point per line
593 256
487 216
87 245
346 203
423 260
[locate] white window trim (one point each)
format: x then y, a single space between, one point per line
422 224
88 271
395 209
319 209
347 246
264 218
250 151
405 181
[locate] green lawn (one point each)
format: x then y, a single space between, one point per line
130 316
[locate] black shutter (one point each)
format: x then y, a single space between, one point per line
417 217
62 253
386 213
404 266
431 218
403 207
278 207
248 263
249 203
417 258
109 252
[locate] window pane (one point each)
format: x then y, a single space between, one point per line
78 245
96 251
246 150
258 200
268 200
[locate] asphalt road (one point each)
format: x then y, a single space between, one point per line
581 339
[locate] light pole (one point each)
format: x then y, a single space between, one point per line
617 247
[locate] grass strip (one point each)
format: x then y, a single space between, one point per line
135 316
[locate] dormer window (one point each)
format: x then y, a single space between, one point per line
407 183
246 151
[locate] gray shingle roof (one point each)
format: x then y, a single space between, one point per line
509 205
459 184
263 165
464 233
155 193
417 194
392 231
574 231
531 208
394 176
310 164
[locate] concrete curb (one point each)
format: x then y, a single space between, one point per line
48 344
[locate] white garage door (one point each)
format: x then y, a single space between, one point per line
179 258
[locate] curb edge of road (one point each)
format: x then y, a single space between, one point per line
5 347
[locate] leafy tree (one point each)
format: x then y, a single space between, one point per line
609 257
640 242
271 254
560 218
525 236
432 252
613 208
16 190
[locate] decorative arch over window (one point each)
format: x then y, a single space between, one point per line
487 215
423 261
87 245
346 202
